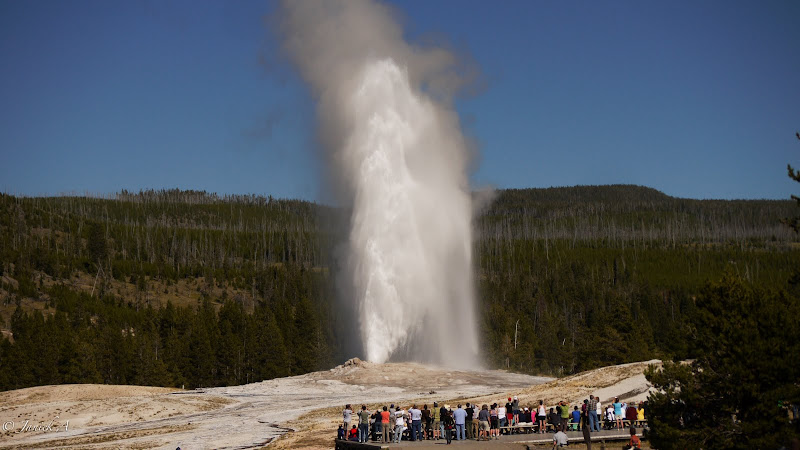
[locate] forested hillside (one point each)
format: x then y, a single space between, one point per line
601 275
189 288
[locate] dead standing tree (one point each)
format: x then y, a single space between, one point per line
794 222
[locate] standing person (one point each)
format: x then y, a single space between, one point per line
476 421
460 419
618 413
640 412
416 423
470 414
631 414
516 409
593 426
426 421
437 421
541 417
564 414
442 414
399 424
376 424
585 410
447 422
404 414
483 418
599 412
502 414
494 422
363 424
347 414
558 411
587 432
385 425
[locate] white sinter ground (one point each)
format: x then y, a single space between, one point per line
251 415
245 416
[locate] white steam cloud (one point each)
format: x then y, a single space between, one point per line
400 161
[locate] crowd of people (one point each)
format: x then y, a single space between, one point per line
484 422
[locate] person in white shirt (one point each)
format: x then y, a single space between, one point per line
541 417
347 415
501 415
399 425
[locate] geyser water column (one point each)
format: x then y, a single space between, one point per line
410 242
398 161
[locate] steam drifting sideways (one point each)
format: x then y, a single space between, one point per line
399 160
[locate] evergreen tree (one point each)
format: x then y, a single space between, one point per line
231 348
794 222
203 340
732 396
96 243
269 356
6 374
305 339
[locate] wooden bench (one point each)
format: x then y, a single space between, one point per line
638 423
525 427
573 426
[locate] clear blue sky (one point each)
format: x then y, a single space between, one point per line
696 99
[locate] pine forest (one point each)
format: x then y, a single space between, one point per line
187 288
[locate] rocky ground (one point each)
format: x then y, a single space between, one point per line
293 412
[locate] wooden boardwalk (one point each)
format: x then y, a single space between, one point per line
514 441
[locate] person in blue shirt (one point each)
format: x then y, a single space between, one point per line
576 417
460 416
618 413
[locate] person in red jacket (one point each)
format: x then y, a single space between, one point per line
635 442
353 434
631 413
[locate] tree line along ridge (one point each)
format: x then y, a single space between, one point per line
188 288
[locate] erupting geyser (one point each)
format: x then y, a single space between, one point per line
399 160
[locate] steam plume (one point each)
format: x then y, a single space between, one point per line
399 160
